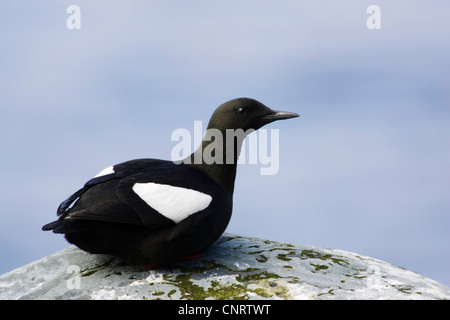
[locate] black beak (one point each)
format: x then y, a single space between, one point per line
279 115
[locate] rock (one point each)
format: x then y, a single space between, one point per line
234 267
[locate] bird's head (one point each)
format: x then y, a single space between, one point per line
245 113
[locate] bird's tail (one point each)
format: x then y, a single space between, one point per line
51 226
65 226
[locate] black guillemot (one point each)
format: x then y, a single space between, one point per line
150 211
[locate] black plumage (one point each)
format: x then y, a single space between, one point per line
109 216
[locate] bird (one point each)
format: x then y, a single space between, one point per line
150 212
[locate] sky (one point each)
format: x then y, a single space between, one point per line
366 167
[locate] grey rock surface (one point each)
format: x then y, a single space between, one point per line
234 267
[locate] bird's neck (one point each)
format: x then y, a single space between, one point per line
217 156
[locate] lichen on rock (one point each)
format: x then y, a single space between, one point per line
234 267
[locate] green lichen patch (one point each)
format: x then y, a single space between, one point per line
404 288
283 257
95 268
254 276
215 280
262 258
171 292
311 254
192 291
318 267
330 292
269 289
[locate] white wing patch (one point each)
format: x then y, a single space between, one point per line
172 202
105 171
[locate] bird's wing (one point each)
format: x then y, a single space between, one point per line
149 192
170 199
67 204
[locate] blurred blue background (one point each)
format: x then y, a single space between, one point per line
366 168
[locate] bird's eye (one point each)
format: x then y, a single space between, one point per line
241 111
